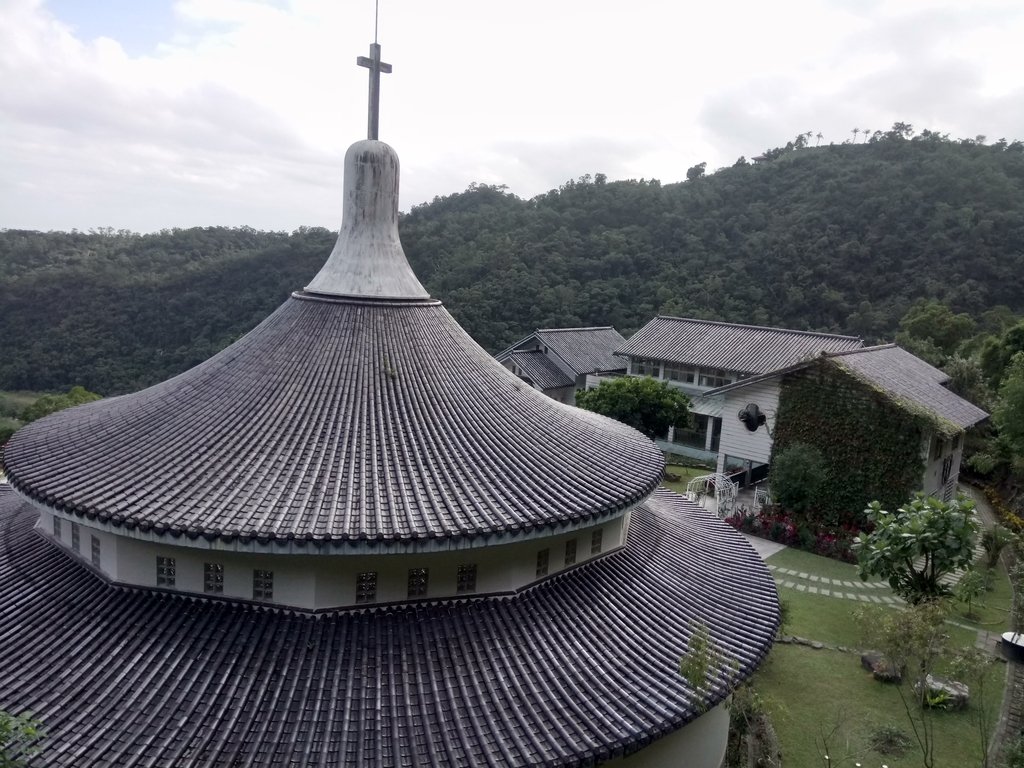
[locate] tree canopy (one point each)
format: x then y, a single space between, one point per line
841 238
645 404
919 544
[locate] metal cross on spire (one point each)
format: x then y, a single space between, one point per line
376 66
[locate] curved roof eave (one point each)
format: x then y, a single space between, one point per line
337 420
580 667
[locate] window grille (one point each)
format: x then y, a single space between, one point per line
596 540
418 582
465 580
213 578
542 562
76 537
366 587
166 572
95 545
262 584
57 528
570 551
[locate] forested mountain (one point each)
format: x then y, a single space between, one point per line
840 238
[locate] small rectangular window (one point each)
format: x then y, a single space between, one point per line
542 562
57 528
956 442
95 544
596 539
418 582
166 572
465 579
366 587
76 537
213 578
262 584
570 551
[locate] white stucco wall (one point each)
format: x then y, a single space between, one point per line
738 441
931 482
701 744
328 581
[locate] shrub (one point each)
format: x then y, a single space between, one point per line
796 477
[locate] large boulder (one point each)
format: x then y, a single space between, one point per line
944 694
880 667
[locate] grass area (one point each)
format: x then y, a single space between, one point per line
809 691
812 690
686 474
992 610
806 562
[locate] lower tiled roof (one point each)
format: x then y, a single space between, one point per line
577 669
536 367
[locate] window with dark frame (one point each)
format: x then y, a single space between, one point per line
596 540
418 578
57 527
95 551
542 562
76 537
166 571
465 579
213 578
262 584
570 552
366 587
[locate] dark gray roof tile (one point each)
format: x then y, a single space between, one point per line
578 669
907 378
585 350
747 349
337 420
536 367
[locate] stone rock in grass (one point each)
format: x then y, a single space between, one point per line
880 667
945 694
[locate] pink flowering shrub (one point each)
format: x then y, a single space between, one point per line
772 523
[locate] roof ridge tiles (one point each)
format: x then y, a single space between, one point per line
759 327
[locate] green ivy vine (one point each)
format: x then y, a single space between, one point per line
871 445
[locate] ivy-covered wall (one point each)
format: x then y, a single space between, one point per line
872 447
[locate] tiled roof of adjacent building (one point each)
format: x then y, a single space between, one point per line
337 420
579 350
539 369
742 348
579 668
903 377
909 379
585 350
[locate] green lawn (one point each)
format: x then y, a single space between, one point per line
992 610
808 691
685 474
799 560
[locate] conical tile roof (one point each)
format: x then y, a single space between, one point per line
358 411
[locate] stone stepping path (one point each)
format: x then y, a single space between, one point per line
840 589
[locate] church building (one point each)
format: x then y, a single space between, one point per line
353 538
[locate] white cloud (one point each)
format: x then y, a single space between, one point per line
242 112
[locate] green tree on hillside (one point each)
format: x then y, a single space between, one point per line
1009 412
48 404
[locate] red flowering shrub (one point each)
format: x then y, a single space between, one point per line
826 540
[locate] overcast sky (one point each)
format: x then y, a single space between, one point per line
145 114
